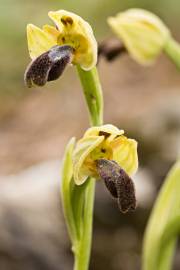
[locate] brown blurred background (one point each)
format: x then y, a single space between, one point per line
36 124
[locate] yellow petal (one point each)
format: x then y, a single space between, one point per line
76 32
58 17
38 41
142 32
125 154
82 150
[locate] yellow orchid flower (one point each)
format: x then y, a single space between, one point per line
103 142
142 32
70 30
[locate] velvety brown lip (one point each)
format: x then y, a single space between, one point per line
49 66
119 184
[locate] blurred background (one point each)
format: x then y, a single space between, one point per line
36 124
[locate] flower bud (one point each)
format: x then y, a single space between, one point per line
142 32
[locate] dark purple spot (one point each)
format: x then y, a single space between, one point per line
67 20
105 134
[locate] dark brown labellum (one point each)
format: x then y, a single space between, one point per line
110 49
119 184
48 66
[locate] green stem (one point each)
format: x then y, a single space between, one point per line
83 251
93 95
172 49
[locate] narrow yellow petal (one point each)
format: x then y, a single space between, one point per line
38 41
82 150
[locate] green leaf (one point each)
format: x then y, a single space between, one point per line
163 225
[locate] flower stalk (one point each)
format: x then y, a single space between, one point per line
83 249
94 99
93 94
172 50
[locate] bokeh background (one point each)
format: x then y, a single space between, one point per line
36 124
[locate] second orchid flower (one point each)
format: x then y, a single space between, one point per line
104 152
53 48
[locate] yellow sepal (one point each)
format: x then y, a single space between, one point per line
39 41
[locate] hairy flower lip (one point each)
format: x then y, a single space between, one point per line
48 66
105 171
118 183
